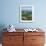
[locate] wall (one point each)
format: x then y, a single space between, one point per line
10 13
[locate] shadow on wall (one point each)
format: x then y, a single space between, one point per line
2 26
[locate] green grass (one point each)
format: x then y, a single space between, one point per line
26 15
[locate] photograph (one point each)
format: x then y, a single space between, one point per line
26 13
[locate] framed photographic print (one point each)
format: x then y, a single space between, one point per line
26 13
